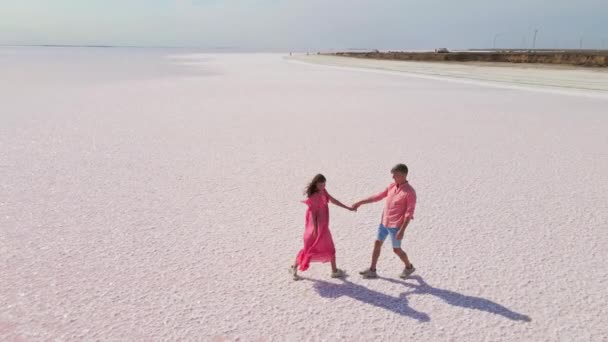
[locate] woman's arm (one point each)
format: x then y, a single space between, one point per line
315 231
338 203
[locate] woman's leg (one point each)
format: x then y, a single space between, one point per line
295 266
334 269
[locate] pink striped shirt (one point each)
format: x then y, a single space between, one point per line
400 204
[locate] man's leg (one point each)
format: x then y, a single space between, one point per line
397 247
403 256
376 254
382 234
371 271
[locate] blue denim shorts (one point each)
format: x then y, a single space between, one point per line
383 232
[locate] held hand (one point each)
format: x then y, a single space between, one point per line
400 235
356 206
352 208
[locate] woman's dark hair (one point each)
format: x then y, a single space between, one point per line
311 189
400 168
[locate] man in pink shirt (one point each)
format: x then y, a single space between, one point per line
398 212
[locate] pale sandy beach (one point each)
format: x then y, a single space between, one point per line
151 195
536 77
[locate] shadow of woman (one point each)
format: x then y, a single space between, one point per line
398 305
457 299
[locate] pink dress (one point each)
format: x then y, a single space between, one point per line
321 248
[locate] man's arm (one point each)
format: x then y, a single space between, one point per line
409 214
403 227
371 199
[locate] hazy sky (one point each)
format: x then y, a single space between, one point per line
306 24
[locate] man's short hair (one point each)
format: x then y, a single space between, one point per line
401 168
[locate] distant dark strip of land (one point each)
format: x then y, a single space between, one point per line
587 58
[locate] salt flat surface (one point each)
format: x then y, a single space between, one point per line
155 196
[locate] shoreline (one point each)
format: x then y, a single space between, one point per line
579 80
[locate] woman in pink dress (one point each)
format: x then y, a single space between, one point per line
318 244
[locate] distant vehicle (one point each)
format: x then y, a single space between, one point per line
442 50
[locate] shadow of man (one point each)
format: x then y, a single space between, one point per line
398 305
457 299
